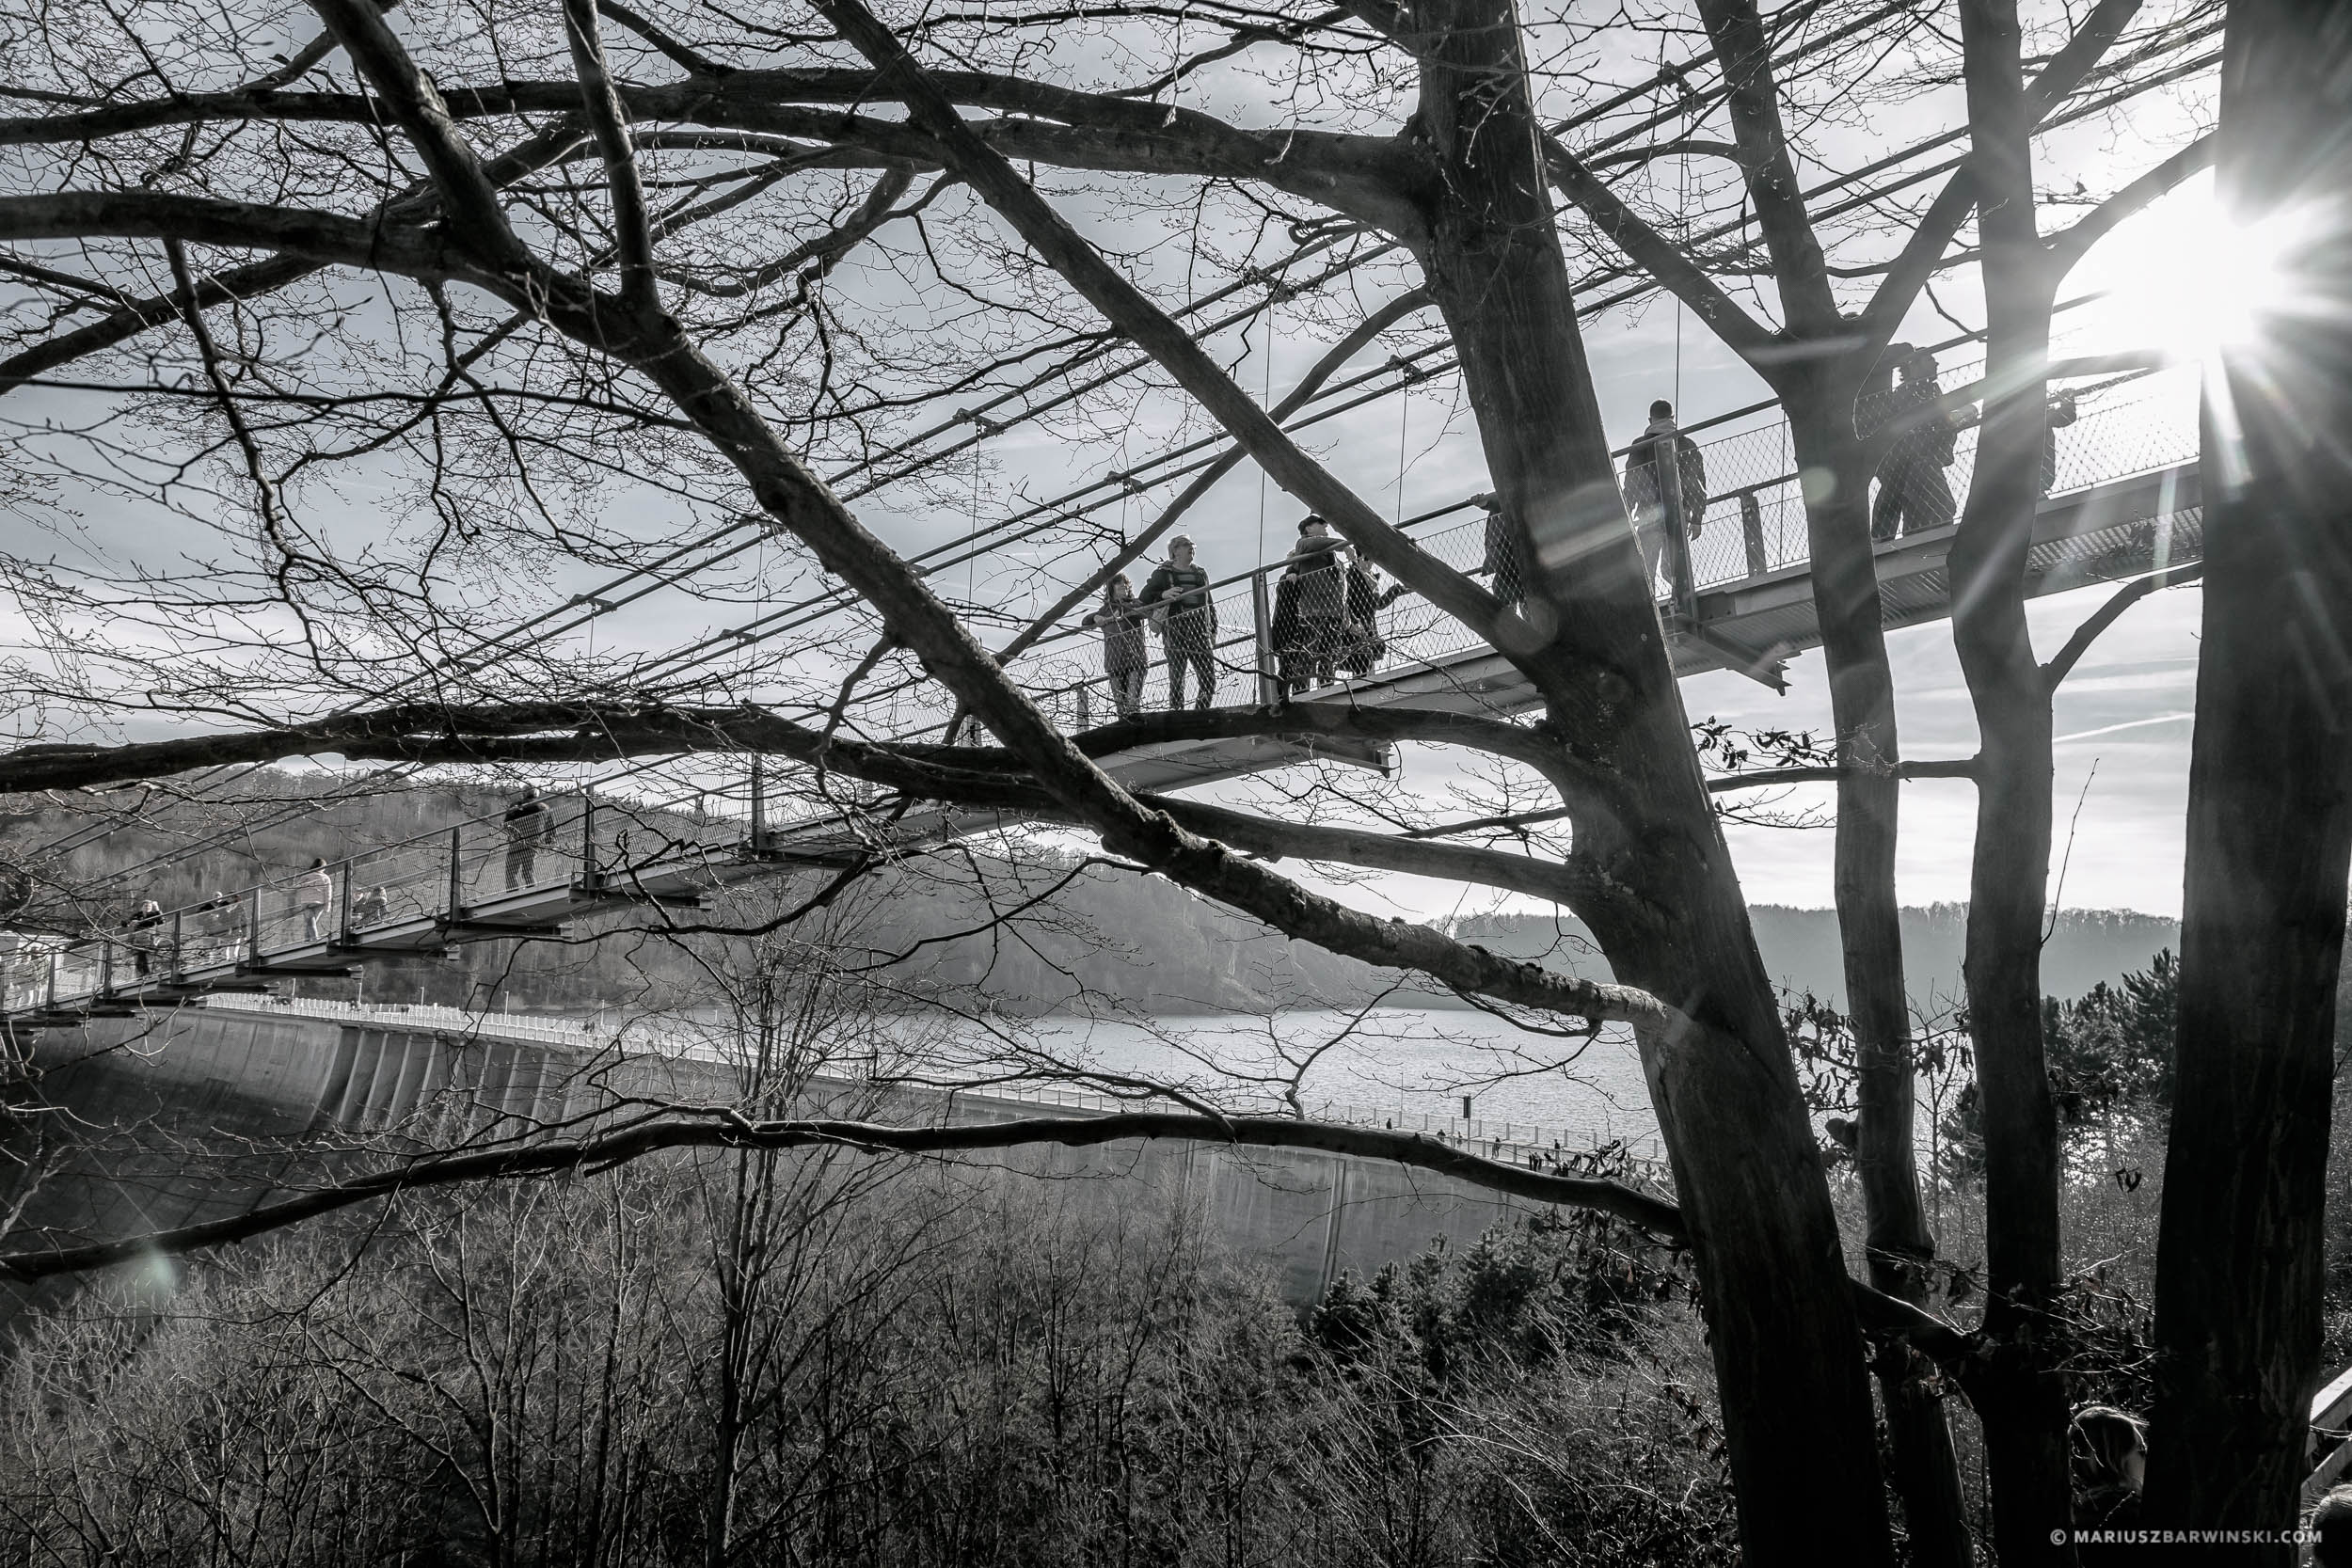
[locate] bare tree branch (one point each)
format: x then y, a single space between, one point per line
727 1130
2062 663
632 235
2069 245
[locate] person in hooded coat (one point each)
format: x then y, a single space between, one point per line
1125 661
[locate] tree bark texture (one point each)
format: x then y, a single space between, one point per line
1870 926
2241 1254
1668 909
1817 394
2021 1399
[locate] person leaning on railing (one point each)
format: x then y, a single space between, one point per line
1125 661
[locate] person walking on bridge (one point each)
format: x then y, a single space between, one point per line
1177 594
529 824
145 933
313 891
1666 487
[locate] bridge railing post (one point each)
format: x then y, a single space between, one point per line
1751 534
179 963
105 966
52 978
1262 622
253 930
342 917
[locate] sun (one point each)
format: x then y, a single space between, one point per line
2184 279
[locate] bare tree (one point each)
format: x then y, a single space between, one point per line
665 365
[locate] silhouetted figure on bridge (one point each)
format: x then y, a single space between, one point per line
313 891
1502 564
1665 488
1366 647
145 933
529 824
2061 414
1311 637
372 908
1177 594
1914 494
1125 661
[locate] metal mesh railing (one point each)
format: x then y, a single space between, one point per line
1753 524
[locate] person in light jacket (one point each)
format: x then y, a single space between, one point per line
1177 594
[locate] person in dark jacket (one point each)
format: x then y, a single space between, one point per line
146 932
1317 578
1177 594
1914 494
2062 413
1665 500
529 824
1501 563
1125 661
1366 599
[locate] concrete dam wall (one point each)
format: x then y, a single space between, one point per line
197 1114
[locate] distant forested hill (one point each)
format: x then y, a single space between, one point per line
1137 941
1800 947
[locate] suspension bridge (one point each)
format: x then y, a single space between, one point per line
2125 503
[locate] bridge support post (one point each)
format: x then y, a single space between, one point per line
592 879
456 875
759 805
1270 692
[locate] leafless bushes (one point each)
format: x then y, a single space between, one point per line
937 1370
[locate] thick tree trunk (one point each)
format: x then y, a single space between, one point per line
1818 396
2021 1397
1788 1355
2241 1249
1870 926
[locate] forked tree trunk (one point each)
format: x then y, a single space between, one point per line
2020 1397
2241 1251
1817 394
1667 907
1869 924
